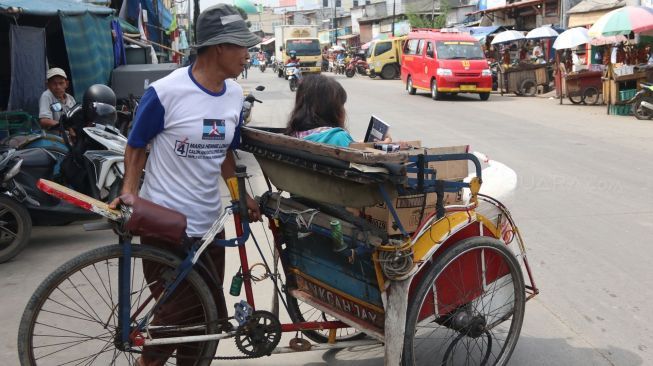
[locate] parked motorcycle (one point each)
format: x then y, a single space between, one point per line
356 65
293 74
93 165
15 221
248 104
642 102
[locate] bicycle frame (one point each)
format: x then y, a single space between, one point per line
133 335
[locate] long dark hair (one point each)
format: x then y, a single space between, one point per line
320 102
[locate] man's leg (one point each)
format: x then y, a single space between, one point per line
183 307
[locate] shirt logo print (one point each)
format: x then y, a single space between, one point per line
213 129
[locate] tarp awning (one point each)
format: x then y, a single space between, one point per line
51 7
480 33
267 41
348 36
90 50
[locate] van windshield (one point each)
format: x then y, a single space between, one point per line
304 47
459 50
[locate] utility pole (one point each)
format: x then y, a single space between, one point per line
433 15
393 18
335 26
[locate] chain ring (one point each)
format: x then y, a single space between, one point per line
260 335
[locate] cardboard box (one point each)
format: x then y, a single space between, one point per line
409 208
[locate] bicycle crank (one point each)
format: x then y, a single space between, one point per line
260 335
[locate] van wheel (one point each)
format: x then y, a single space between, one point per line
409 86
388 72
435 94
484 96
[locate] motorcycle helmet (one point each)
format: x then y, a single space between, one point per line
293 53
99 105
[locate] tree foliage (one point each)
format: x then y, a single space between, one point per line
425 21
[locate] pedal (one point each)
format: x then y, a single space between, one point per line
243 312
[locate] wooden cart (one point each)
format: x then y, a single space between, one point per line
584 87
523 79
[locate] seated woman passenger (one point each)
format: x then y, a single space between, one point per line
319 112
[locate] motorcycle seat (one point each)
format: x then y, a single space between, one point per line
36 158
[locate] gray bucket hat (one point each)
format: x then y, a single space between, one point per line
222 23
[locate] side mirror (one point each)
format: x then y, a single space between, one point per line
56 107
260 88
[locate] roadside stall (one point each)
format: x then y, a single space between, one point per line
628 63
521 78
580 85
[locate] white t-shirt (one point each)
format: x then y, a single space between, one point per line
190 129
47 99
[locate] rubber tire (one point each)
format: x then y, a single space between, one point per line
409 86
350 73
388 72
576 99
296 316
94 256
435 95
440 262
636 109
528 88
293 84
591 96
484 96
23 228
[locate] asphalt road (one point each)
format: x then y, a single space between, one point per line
582 201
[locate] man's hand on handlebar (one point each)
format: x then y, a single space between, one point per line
253 209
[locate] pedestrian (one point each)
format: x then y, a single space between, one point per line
243 74
57 83
191 120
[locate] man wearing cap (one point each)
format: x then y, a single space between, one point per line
56 93
192 119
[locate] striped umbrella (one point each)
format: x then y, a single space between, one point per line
623 21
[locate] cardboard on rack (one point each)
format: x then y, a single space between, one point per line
409 208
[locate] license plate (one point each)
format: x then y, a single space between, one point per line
467 87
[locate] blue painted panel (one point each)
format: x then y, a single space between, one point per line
314 256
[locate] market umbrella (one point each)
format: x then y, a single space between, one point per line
337 48
623 21
542 32
571 38
508 36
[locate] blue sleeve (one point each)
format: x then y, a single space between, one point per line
148 121
341 138
235 143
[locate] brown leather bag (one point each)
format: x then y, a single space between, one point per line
154 221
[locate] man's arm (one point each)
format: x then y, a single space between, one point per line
228 171
135 158
45 114
47 122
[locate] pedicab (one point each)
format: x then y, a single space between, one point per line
452 291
